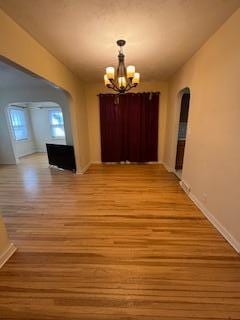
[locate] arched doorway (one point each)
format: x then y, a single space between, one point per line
33 124
182 130
29 109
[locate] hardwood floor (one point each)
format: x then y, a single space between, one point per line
120 242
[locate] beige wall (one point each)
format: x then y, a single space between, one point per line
212 156
7 248
92 102
4 241
19 47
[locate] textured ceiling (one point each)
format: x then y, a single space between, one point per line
161 34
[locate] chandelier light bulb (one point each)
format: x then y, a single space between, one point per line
122 82
136 78
110 73
106 80
130 71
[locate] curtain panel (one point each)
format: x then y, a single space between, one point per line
129 127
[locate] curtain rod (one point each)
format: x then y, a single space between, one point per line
129 93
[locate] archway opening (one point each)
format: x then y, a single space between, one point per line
33 112
182 130
32 125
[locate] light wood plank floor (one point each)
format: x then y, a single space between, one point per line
120 242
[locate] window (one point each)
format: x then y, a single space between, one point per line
18 123
56 124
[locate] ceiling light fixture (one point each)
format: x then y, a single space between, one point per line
126 78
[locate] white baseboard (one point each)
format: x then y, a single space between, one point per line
167 167
99 162
224 232
154 162
26 154
178 174
7 254
84 169
185 186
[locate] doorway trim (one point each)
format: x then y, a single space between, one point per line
176 128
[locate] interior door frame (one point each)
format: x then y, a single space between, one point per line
177 120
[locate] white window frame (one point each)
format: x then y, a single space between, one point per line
24 125
56 125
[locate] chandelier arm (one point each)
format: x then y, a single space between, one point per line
129 84
114 86
129 88
132 86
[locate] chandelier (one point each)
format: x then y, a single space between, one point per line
125 78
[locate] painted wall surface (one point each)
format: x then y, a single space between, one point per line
4 241
19 47
212 156
23 147
92 102
41 129
45 93
6 148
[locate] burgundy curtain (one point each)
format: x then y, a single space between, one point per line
129 127
111 116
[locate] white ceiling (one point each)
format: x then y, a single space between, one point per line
161 34
10 77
